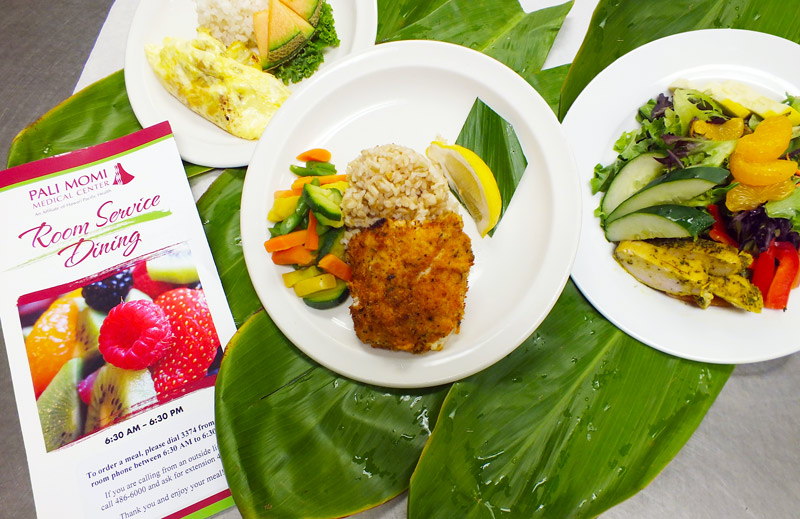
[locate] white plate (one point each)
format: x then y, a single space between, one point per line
408 93
200 141
605 109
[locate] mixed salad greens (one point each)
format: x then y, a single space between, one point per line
712 162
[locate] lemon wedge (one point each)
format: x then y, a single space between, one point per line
472 180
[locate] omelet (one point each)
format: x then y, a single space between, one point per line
224 85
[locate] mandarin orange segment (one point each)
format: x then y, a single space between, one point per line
52 341
729 130
761 173
768 142
744 198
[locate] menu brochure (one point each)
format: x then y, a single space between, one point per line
114 320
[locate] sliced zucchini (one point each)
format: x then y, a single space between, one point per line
329 298
327 241
327 221
631 178
324 202
662 221
673 188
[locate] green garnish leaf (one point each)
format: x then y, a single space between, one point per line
493 139
311 56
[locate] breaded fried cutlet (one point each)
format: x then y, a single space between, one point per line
409 282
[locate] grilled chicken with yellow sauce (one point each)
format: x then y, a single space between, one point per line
224 85
699 270
409 282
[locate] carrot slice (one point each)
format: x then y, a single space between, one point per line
297 255
333 265
318 154
286 193
286 241
312 238
325 179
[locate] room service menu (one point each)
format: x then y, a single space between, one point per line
114 320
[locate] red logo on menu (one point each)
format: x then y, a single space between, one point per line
121 177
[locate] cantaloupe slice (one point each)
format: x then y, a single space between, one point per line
308 9
280 34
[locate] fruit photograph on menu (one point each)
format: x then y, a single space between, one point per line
103 348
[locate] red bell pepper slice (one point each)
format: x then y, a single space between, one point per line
764 270
785 274
717 231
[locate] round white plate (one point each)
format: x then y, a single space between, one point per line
606 108
200 141
408 93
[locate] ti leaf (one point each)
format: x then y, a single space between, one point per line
493 139
574 421
300 441
499 28
100 112
548 83
219 209
619 26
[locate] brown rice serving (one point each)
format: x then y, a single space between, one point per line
394 182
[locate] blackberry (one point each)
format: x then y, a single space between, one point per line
107 293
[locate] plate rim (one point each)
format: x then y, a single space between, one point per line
581 275
234 151
390 53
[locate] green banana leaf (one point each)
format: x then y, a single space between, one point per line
619 26
493 139
98 113
577 419
499 28
548 83
300 441
219 210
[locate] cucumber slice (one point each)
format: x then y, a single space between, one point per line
673 188
324 202
631 178
329 298
662 221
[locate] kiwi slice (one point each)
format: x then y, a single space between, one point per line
116 393
87 331
137 295
59 405
175 267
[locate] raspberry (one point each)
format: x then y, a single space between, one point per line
105 294
142 281
135 335
195 343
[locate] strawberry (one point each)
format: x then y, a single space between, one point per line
142 281
195 341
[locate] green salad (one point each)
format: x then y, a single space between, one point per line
702 199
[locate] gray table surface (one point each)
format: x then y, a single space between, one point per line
742 463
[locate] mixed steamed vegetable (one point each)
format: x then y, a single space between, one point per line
309 230
709 180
